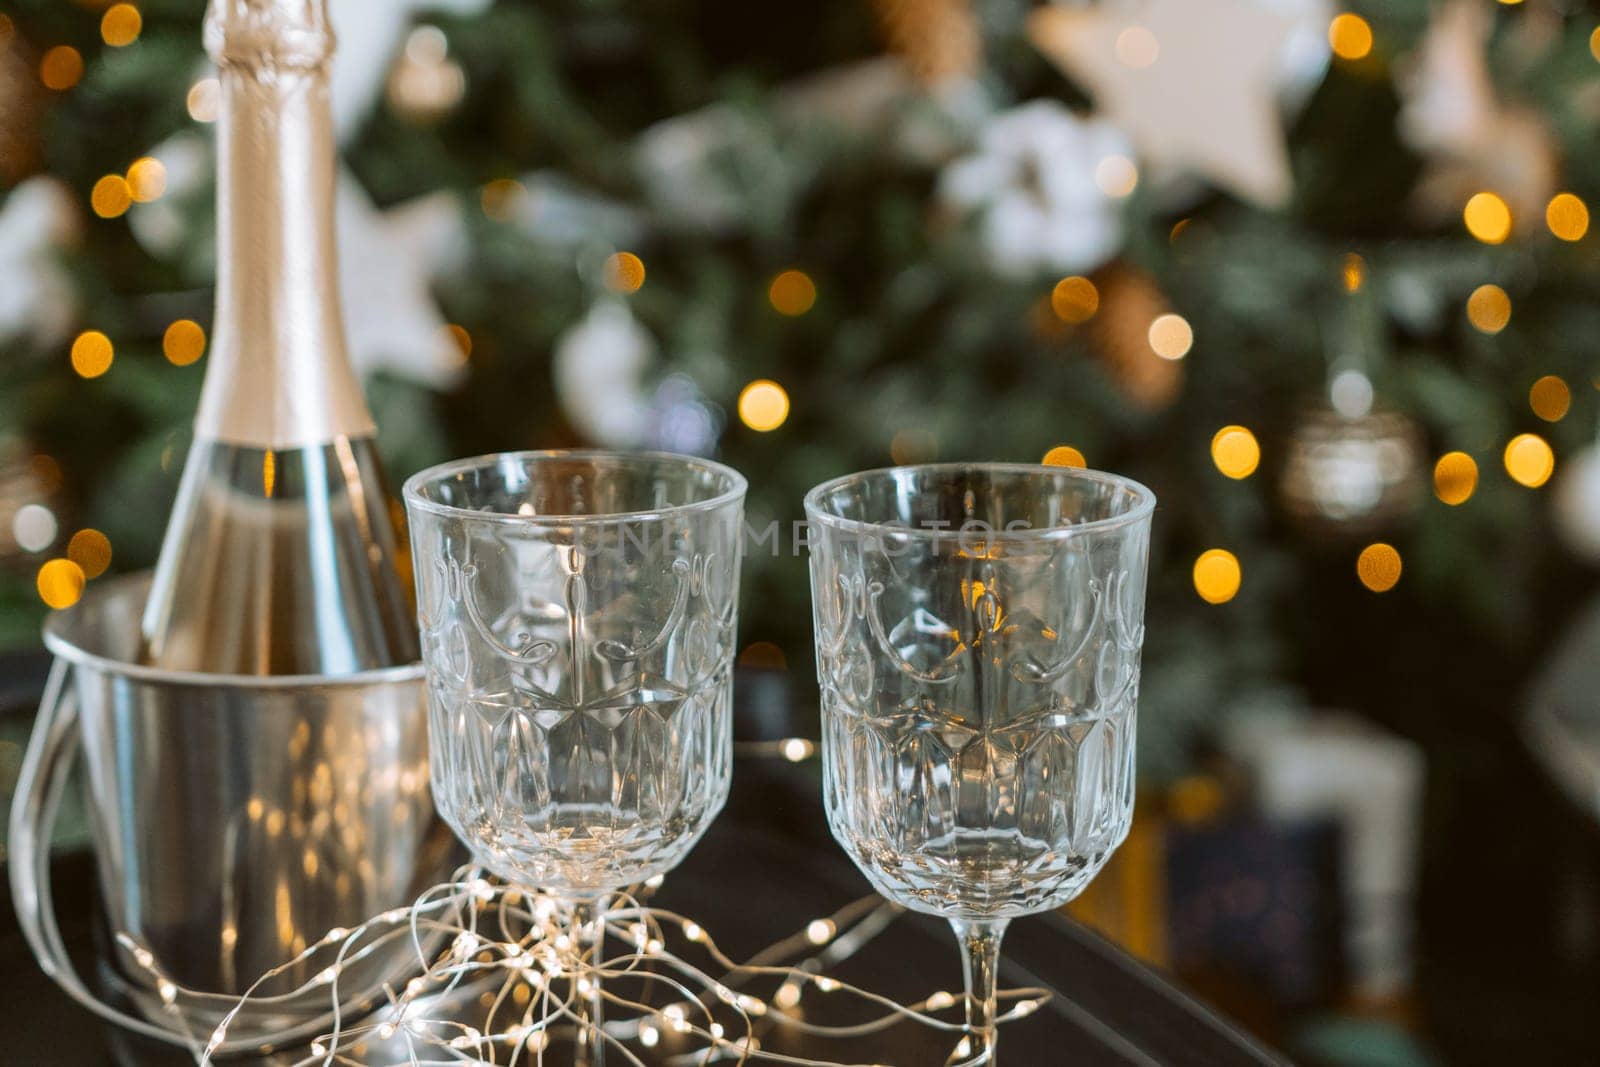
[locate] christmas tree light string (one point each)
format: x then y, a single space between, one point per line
539 972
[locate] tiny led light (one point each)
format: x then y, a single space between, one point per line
184 342
1075 299
1567 216
1489 309
1171 336
820 931
92 354
111 197
120 25
60 583
624 272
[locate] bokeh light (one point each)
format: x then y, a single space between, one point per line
1594 44
147 179
91 551
1529 460
763 655
763 405
792 293
1379 567
1075 299
1488 218
1489 309
61 68
184 342
1137 47
120 25
1455 478
33 527
1171 336
111 196
1064 456
1350 36
460 338
1354 272
1550 398
1116 176
624 272
60 583
205 100
92 354
1235 451
501 197
1217 576
1567 216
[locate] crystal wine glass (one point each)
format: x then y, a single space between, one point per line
577 613
978 631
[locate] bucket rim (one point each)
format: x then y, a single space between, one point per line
137 585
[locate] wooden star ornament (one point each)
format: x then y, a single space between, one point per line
1195 85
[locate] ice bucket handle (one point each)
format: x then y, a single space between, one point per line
52 750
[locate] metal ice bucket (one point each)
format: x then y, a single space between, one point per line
235 820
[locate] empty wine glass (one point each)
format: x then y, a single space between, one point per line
978 631
577 613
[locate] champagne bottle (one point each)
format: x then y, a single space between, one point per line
281 556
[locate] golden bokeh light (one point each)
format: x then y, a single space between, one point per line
1567 216
1236 452
460 338
1171 336
501 197
1075 299
91 551
1550 398
1350 36
1379 567
1064 456
1489 309
1354 272
120 25
147 179
60 583
913 445
111 197
92 354
763 405
1116 176
184 342
763 655
61 68
1488 218
204 100
1217 576
1594 44
624 272
1137 47
1455 478
792 293
1529 460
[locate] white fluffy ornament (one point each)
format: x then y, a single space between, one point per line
1577 504
38 220
1198 86
1036 184
600 365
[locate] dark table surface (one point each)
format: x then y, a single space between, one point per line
766 868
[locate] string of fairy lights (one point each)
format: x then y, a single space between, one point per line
764 405
535 973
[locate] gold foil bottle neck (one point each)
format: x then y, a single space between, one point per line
270 35
279 375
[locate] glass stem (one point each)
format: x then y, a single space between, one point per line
589 931
980 960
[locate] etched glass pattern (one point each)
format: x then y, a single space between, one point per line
578 615
978 631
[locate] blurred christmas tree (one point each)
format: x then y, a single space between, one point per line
1291 266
